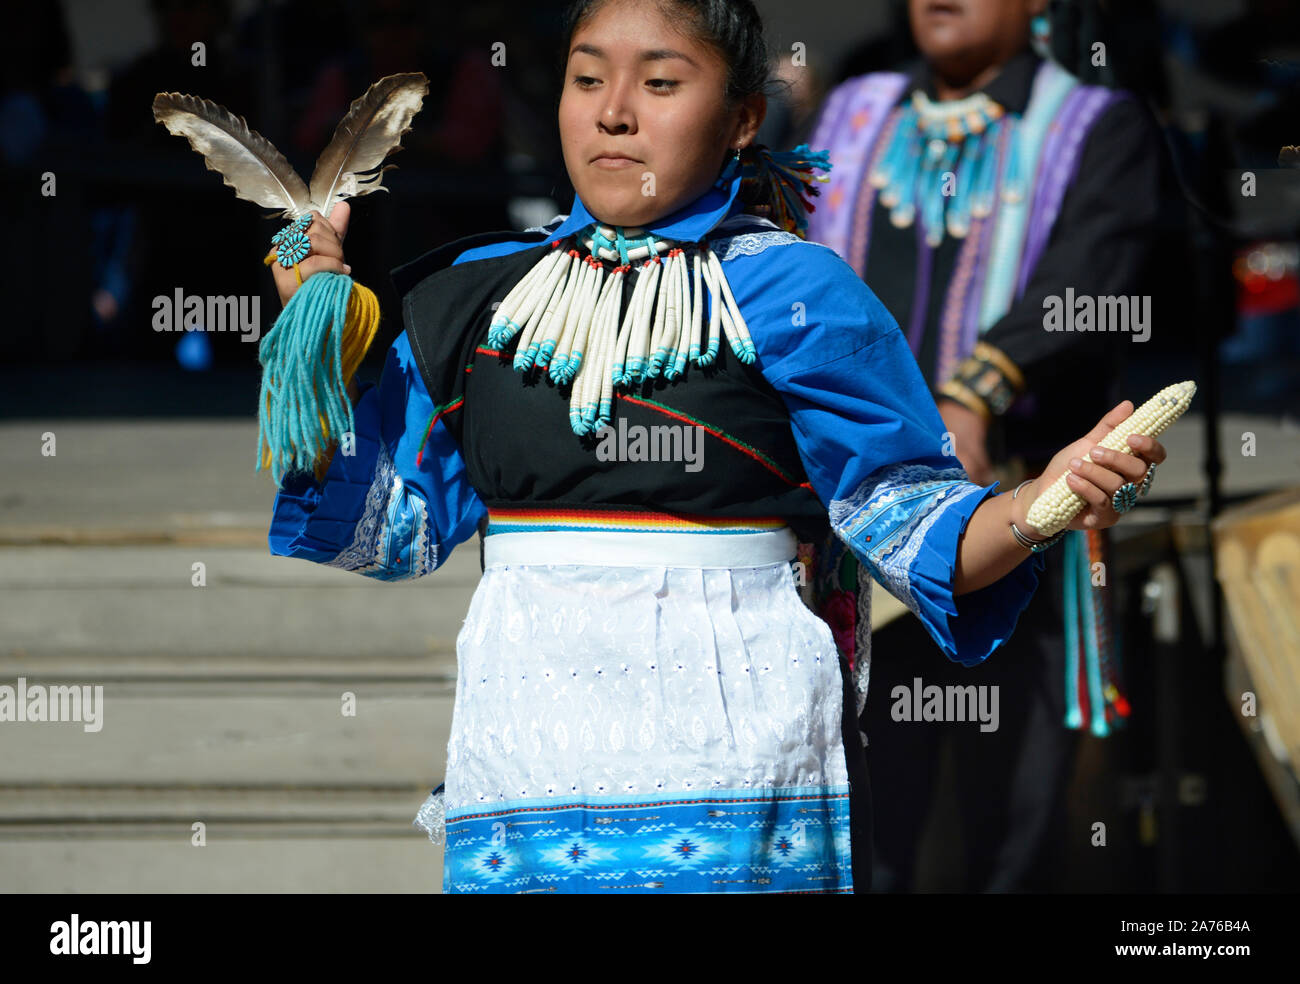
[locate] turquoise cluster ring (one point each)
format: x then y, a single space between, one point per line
1125 498
291 243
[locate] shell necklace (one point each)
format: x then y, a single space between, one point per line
571 320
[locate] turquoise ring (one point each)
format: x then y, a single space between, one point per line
1125 498
297 226
292 249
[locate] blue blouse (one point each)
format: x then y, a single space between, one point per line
863 420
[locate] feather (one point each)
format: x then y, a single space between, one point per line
249 163
372 128
245 159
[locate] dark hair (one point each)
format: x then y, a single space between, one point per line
732 27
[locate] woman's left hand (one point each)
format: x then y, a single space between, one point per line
1097 480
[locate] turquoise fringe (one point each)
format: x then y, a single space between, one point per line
1073 712
1081 603
302 375
1088 602
912 172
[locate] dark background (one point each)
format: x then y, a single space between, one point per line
137 215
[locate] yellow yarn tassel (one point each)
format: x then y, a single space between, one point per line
360 329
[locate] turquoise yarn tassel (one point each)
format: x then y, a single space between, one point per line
1073 713
302 375
1092 653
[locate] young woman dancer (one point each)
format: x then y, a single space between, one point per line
643 702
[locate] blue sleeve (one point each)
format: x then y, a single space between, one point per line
872 442
377 512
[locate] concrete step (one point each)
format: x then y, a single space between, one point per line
293 795
198 735
105 604
155 810
105 860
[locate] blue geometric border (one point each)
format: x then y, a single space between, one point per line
749 841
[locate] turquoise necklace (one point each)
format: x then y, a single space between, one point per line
943 160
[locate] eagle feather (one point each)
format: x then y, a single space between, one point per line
249 163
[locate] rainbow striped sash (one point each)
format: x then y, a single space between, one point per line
623 521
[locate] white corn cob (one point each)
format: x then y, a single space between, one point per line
1058 504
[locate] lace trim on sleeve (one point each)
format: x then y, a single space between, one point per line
888 515
392 517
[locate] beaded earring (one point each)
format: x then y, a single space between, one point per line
730 169
1040 29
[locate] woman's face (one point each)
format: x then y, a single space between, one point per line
643 117
962 38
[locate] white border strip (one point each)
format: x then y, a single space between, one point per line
640 549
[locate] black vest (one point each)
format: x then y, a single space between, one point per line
514 432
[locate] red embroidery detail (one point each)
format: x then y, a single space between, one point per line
454 405
736 443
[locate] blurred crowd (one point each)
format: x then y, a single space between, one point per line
134 215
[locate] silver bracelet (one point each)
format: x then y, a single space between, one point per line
1035 546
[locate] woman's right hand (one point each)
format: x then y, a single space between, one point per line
326 235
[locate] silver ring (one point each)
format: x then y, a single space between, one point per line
1147 478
